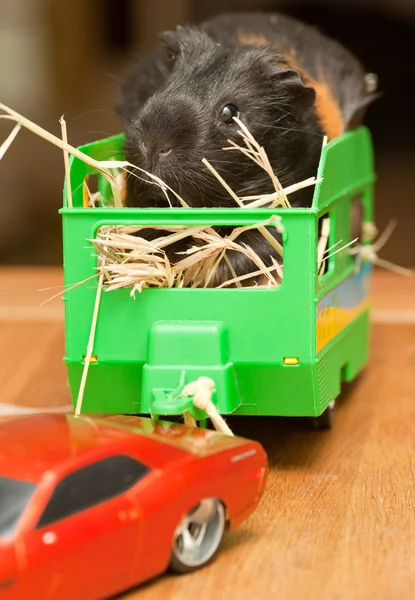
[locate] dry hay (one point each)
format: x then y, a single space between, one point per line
134 262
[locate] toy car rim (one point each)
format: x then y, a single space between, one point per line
199 535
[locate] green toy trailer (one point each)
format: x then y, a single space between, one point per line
279 351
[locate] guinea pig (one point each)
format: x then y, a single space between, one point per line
290 86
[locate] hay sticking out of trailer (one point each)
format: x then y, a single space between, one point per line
131 261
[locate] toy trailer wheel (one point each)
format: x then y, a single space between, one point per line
198 537
325 420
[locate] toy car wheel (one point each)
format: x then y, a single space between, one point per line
325 420
198 537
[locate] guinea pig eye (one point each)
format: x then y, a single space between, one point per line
228 113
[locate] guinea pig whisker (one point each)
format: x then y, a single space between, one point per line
100 132
297 129
280 118
104 111
162 186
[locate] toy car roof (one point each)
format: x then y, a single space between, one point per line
31 445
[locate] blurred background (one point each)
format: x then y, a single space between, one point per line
67 58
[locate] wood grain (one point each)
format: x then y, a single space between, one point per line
338 516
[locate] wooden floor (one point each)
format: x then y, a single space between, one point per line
338 516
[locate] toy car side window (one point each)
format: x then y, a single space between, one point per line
92 485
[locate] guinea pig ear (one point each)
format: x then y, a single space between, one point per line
170 39
300 97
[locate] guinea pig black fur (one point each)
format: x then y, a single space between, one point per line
289 85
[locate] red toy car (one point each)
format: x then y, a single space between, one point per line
92 506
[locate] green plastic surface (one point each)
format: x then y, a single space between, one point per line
147 347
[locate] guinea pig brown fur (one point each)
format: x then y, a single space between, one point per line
287 82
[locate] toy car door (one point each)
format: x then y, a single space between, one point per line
83 544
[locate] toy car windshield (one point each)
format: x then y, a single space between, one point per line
14 497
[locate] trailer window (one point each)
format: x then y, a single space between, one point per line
362 231
324 235
356 219
210 256
91 194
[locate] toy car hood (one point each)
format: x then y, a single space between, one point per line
31 445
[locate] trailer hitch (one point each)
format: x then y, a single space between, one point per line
174 402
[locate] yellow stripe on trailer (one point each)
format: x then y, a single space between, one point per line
332 320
